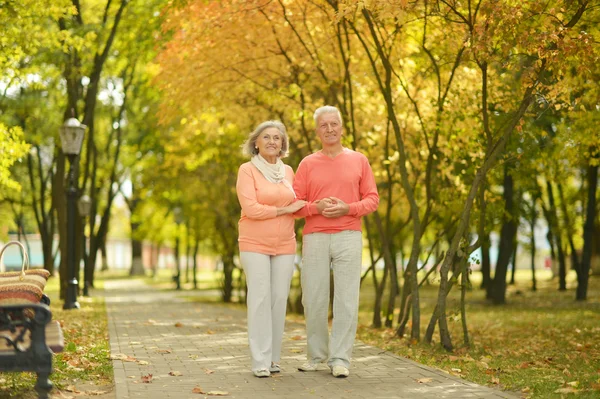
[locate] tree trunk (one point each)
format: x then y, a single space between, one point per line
485 264
562 264
177 276
137 263
507 239
588 231
228 267
514 262
187 251
104 253
485 240
595 264
195 261
532 249
376 322
463 295
404 309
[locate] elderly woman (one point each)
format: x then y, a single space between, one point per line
267 241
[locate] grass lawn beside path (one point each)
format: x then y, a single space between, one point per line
543 344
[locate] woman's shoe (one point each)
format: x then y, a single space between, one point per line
262 373
275 368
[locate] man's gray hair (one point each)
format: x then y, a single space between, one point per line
327 109
249 147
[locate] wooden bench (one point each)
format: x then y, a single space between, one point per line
28 338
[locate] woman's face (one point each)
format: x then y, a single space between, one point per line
269 143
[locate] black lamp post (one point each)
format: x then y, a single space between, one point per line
84 205
71 136
178 215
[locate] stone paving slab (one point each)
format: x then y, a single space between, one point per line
205 346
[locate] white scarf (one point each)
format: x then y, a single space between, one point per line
275 173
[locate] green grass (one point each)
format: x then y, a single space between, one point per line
543 344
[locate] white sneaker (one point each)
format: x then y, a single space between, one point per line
309 366
275 368
340 371
262 373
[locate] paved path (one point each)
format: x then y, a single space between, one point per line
186 346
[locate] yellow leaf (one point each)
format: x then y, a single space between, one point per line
197 390
566 390
217 393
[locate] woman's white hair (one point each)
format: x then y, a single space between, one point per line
326 109
249 147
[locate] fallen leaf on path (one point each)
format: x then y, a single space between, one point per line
147 379
135 343
197 390
143 363
211 332
296 350
217 393
178 324
208 371
175 373
96 393
71 388
123 357
424 380
164 351
297 338
131 376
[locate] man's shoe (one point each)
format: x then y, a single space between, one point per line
309 366
275 368
340 371
262 373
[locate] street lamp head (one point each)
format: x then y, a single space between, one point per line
84 205
71 136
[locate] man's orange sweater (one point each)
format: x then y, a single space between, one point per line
260 229
348 177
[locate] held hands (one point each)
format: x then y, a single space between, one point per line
332 207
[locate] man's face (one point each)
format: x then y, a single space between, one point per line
329 129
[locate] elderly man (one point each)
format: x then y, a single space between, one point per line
339 188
